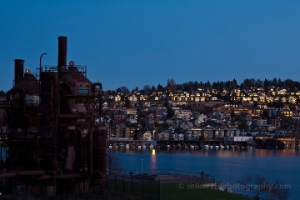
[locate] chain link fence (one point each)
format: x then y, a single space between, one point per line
115 187
134 186
122 185
10 189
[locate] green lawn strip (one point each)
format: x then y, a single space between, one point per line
174 192
139 188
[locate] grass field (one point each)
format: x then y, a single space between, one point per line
168 191
132 190
181 191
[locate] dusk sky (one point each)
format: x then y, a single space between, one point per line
137 42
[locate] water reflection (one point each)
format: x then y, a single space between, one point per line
153 160
284 152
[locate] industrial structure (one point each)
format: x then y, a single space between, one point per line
52 135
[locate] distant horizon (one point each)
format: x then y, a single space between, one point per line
164 85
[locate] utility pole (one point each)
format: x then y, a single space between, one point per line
142 166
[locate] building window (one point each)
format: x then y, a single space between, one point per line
82 90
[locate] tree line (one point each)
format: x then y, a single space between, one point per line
230 85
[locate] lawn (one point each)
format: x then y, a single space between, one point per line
144 190
186 192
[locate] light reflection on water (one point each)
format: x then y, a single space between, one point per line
153 163
226 165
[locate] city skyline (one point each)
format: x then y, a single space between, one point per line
137 43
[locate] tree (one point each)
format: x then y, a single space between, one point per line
262 189
179 87
171 85
279 191
153 88
254 125
274 82
123 89
265 114
254 184
233 85
147 89
170 113
160 87
267 84
232 114
279 83
278 104
207 85
258 83
243 125
127 102
248 83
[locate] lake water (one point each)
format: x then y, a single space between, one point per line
226 165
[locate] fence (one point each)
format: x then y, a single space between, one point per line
115 187
189 176
159 171
10 189
129 185
141 187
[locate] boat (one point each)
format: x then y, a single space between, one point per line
206 147
244 148
251 143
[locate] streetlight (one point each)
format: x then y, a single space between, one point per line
40 89
124 163
41 62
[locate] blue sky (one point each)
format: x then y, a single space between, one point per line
137 42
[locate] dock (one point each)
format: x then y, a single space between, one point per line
177 144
